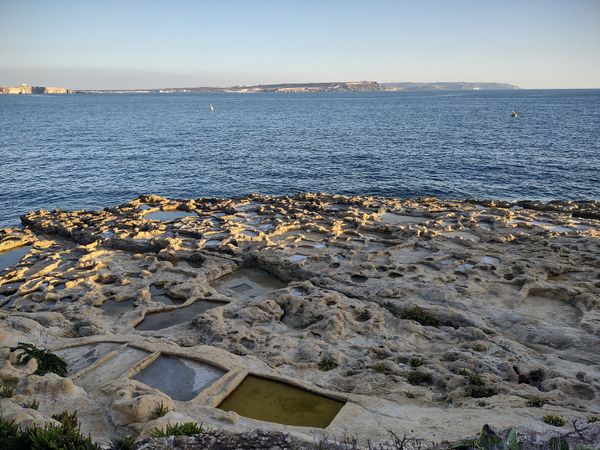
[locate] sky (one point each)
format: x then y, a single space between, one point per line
129 44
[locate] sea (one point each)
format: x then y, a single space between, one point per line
89 151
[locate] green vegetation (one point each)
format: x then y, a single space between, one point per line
418 314
126 443
6 392
593 419
417 377
159 411
488 440
68 420
558 443
557 421
66 436
180 429
327 363
415 361
382 368
33 404
476 387
536 401
47 362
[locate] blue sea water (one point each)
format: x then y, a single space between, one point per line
91 151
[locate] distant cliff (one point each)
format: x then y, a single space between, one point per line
26 89
446 86
336 86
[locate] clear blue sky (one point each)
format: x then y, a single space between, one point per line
134 43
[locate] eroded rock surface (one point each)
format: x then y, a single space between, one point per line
423 316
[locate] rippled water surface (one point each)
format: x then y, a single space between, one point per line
91 151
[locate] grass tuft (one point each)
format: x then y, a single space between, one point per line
6 392
327 363
554 420
536 401
593 419
180 429
417 377
159 411
415 361
33 404
126 443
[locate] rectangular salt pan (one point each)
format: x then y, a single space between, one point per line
180 378
111 369
273 401
165 319
78 358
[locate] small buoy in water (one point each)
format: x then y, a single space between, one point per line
211 107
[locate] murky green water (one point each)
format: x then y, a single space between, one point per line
273 401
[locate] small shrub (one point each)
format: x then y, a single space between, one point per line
126 443
558 443
536 401
409 394
67 420
479 391
417 377
418 314
593 419
474 379
557 421
415 361
56 437
489 440
476 387
6 392
33 404
180 429
159 411
47 362
11 436
327 363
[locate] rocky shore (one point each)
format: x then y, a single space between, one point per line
307 316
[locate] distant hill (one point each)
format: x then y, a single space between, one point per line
335 86
446 86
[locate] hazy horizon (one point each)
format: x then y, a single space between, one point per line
154 44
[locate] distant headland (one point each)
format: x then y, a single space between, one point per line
336 86
26 89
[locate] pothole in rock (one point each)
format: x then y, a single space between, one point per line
11 257
165 319
159 295
550 310
181 379
247 283
168 216
274 401
359 278
489 260
114 308
78 358
398 219
112 369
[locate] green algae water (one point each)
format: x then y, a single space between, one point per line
273 401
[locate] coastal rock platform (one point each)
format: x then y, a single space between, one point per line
308 315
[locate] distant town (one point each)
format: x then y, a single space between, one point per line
345 86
